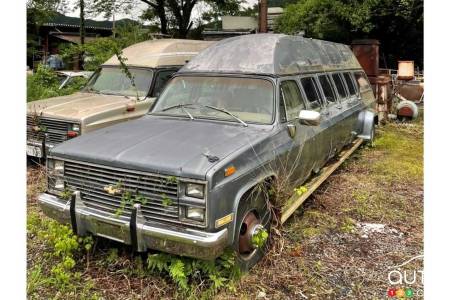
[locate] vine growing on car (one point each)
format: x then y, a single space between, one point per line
119 54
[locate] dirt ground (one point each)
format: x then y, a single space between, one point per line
363 223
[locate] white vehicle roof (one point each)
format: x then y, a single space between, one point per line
162 52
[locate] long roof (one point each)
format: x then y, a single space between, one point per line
275 54
162 52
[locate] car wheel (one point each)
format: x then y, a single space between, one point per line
371 140
253 216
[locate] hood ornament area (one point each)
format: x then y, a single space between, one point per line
112 189
211 158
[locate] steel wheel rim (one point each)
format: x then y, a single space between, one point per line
247 228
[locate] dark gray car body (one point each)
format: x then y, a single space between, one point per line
180 147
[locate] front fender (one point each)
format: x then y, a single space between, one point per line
244 189
366 120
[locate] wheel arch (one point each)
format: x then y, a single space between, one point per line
366 120
267 179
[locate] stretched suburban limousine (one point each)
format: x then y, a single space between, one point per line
109 96
245 113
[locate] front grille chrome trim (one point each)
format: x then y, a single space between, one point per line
56 130
91 179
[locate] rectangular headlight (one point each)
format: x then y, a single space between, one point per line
59 167
195 213
195 190
55 174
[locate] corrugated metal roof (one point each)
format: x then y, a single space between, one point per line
276 54
75 26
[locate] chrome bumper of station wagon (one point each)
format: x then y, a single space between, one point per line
135 231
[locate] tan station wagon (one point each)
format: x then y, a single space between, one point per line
109 97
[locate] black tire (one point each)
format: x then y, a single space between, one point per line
255 203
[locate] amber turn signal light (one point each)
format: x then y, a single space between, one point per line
230 171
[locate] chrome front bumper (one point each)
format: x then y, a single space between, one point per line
135 231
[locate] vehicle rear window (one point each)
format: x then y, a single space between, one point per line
361 80
327 88
350 85
311 91
293 99
339 85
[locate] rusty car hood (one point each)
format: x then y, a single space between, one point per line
76 106
158 144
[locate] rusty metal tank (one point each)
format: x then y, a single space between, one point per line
367 53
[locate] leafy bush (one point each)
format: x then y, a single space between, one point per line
95 52
64 247
44 83
197 278
98 51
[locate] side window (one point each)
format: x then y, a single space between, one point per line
311 91
361 80
293 100
327 88
339 85
350 85
160 81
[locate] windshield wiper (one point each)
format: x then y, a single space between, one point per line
92 90
227 112
182 106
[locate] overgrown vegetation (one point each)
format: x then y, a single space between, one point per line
197 278
323 253
55 269
59 268
398 24
44 83
96 52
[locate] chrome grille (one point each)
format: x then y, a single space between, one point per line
56 130
91 180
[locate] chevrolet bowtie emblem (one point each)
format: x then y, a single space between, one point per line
112 190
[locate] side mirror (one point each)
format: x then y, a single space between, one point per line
309 117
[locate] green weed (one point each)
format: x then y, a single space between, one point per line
197 278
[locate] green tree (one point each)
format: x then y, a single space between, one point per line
398 24
99 50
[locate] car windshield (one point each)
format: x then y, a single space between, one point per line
113 81
226 98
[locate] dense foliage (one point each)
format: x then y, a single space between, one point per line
98 51
397 24
44 83
197 278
